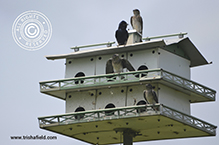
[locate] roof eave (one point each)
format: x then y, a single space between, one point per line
196 58
108 50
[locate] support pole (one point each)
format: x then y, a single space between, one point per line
127 137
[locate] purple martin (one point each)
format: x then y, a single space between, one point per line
136 21
122 34
117 64
150 95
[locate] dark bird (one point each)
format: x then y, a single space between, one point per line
136 21
150 95
122 34
116 65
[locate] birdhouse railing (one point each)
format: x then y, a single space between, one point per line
188 84
77 48
109 44
126 79
126 112
187 119
180 35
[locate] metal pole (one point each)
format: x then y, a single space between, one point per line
127 137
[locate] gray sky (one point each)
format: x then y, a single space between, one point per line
87 22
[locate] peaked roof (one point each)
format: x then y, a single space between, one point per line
185 44
194 55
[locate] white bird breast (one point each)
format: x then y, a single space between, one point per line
136 25
117 67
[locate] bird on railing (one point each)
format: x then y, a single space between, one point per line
122 34
150 95
117 64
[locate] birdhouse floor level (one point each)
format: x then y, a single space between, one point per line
149 122
59 88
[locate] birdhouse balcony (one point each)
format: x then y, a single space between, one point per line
107 125
59 88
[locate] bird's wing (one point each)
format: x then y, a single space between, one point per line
154 96
131 21
127 64
127 35
120 36
144 94
109 67
116 35
139 18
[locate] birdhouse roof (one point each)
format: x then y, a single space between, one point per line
185 48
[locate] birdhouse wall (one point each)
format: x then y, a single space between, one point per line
89 66
126 96
159 58
173 63
77 66
84 99
174 99
100 98
148 58
96 65
96 99
115 96
141 59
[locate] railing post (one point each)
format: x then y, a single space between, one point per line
161 108
58 120
59 84
119 113
98 114
161 73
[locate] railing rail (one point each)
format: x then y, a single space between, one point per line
182 117
180 35
188 84
109 44
129 77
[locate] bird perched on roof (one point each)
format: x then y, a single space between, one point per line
122 34
136 21
150 95
117 64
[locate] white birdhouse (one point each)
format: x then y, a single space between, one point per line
103 99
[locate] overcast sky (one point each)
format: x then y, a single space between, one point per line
82 22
